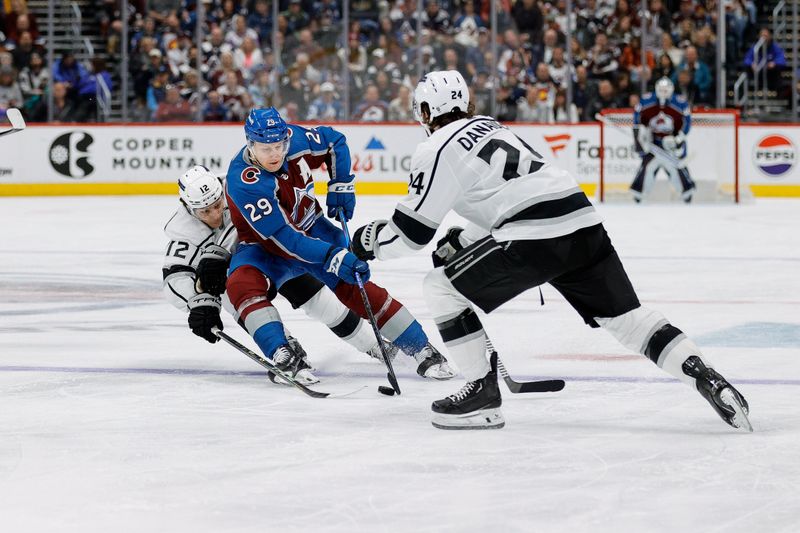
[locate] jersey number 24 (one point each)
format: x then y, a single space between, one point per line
511 169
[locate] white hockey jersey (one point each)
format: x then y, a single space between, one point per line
187 236
493 178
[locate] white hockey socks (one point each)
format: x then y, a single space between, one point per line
461 329
649 333
326 308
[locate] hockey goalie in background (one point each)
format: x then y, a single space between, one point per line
661 123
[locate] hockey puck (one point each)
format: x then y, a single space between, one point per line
388 391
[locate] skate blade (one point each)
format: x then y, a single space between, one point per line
303 376
740 419
439 374
483 419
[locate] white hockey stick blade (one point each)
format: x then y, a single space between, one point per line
15 117
17 122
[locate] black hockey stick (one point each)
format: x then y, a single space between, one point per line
517 387
272 368
17 122
387 361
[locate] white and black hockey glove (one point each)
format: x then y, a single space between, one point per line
447 246
673 145
364 239
212 270
204 311
643 138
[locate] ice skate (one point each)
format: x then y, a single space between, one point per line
432 364
289 362
729 404
475 406
296 347
375 351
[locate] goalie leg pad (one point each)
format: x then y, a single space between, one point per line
250 294
638 185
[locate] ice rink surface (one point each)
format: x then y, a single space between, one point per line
114 417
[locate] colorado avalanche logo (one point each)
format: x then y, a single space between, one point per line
774 155
304 212
250 175
662 124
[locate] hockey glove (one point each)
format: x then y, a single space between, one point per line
344 264
212 271
447 247
203 315
673 145
341 195
364 239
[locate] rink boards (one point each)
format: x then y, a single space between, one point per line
91 159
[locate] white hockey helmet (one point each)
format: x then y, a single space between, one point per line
444 91
199 188
664 89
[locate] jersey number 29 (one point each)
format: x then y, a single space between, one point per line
261 209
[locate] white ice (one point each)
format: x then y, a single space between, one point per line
114 417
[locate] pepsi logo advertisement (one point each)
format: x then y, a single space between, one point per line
774 155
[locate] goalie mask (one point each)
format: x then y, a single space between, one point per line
664 90
199 188
443 91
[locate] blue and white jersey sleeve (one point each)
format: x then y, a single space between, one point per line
648 99
682 105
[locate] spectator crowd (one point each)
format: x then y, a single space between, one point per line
298 61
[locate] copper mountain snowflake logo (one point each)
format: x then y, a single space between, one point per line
69 154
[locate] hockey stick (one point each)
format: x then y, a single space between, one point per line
272 368
17 122
517 387
387 361
657 151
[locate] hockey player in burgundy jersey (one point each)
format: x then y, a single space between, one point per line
283 234
201 240
529 224
662 120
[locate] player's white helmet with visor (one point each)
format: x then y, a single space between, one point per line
664 90
444 91
199 188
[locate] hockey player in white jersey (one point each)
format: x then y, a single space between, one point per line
201 239
529 224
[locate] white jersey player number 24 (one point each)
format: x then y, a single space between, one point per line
505 156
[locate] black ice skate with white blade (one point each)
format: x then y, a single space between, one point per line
475 406
432 364
729 404
290 362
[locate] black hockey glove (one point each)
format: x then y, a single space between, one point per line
212 271
203 315
364 239
447 247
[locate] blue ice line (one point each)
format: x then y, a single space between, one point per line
206 372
